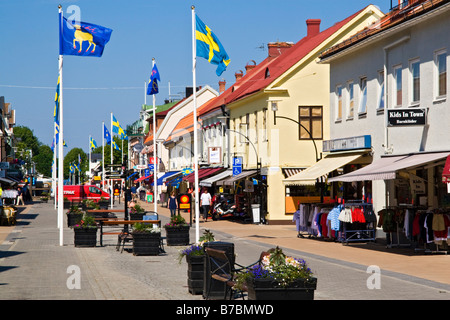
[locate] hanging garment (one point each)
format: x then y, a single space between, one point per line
358 215
387 220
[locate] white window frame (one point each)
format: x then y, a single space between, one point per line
351 100
362 108
395 85
436 86
412 64
339 102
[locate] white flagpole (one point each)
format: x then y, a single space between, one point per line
155 180
89 163
61 139
54 173
194 53
110 169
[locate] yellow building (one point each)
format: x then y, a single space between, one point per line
291 81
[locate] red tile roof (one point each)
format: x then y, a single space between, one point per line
276 66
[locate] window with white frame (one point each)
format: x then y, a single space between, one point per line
243 129
256 125
398 90
351 100
264 124
338 103
441 73
380 104
414 68
363 96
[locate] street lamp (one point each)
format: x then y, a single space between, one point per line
274 107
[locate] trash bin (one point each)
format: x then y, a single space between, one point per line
217 288
256 213
149 197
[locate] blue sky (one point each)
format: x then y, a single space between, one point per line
142 30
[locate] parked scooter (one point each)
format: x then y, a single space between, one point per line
223 210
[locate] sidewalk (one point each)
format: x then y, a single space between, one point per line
33 265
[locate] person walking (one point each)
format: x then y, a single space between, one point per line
19 196
205 200
173 205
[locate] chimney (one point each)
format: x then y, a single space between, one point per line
239 74
313 27
277 48
249 66
222 86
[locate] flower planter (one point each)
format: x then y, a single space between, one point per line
137 216
73 219
146 243
267 289
85 237
177 236
196 265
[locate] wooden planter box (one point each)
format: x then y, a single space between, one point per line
265 289
85 237
146 243
196 271
177 236
137 216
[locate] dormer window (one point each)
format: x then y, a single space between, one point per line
267 74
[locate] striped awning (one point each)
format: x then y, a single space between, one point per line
288 172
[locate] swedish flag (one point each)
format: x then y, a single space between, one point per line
56 109
92 144
209 47
118 129
115 146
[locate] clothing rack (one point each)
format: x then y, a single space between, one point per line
365 234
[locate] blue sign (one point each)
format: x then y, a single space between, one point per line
237 161
146 173
237 170
151 167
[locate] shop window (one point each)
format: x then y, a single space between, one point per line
441 74
414 69
311 118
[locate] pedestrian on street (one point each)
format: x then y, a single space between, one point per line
205 200
173 205
20 196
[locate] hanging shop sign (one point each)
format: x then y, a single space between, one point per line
350 143
214 155
406 117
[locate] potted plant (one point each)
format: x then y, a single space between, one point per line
177 231
103 203
146 239
137 212
44 196
278 277
74 216
85 233
195 258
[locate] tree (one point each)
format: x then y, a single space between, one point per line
44 160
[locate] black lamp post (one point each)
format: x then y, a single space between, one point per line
275 109
258 168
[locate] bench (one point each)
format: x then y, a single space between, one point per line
222 270
113 222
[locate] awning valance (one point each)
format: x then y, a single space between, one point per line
386 167
209 181
320 169
143 178
203 173
231 180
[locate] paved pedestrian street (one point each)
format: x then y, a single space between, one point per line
34 267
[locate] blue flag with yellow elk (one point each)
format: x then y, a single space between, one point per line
81 38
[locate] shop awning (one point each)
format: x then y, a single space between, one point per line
231 180
209 181
8 181
386 167
167 175
203 173
143 178
321 168
446 172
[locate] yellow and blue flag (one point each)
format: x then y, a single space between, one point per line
153 82
106 134
92 144
115 146
209 47
82 38
116 128
56 112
